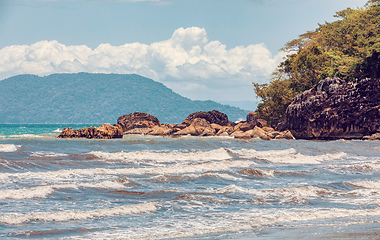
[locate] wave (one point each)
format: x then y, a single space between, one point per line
365 192
165 178
367 184
255 172
64 216
25 136
288 156
47 154
229 224
176 169
9 147
43 191
361 167
58 130
164 156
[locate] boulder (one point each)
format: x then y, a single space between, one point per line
258 132
198 127
285 135
225 131
254 120
106 131
247 126
161 130
138 120
210 116
335 109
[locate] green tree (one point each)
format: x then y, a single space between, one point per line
348 48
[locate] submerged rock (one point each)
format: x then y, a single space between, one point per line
335 109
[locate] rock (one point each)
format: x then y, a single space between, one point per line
252 119
285 135
210 116
242 135
335 109
261 122
216 127
161 130
190 130
198 127
223 134
225 131
268 129
281 126
258 132
106 131
375 136
247 126
137 120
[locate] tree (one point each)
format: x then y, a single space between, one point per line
348 48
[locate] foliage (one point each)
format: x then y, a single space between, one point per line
348 48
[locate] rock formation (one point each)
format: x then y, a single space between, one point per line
335 109
139 122
212 123
210 116
106 131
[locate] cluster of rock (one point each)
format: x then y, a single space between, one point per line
211 123
336 109
106 131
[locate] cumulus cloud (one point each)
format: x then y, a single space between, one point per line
186 61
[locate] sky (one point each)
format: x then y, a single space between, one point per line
202 49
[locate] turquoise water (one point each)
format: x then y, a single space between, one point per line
142 187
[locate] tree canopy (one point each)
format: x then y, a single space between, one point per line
348 48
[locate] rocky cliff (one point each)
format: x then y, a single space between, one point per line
335 109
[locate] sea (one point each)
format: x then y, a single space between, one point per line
145 187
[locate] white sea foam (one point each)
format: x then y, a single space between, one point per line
361 167
280 194
58 130
47 154
208 174
367 184
64 216
175 169
232 223
25 136
288 156
163 156
43 191
9 147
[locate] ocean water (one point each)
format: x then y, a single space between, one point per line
142 187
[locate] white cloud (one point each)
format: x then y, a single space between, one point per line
186 60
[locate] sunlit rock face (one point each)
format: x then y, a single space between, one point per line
335 109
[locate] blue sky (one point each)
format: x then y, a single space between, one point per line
202 49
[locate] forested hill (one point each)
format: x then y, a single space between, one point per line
95 98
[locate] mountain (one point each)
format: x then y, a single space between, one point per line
95 98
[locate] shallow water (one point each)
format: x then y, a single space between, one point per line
142 187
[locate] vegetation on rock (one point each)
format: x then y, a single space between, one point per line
348 48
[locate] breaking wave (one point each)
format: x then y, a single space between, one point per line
43 191
9 147
288 156
78 215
